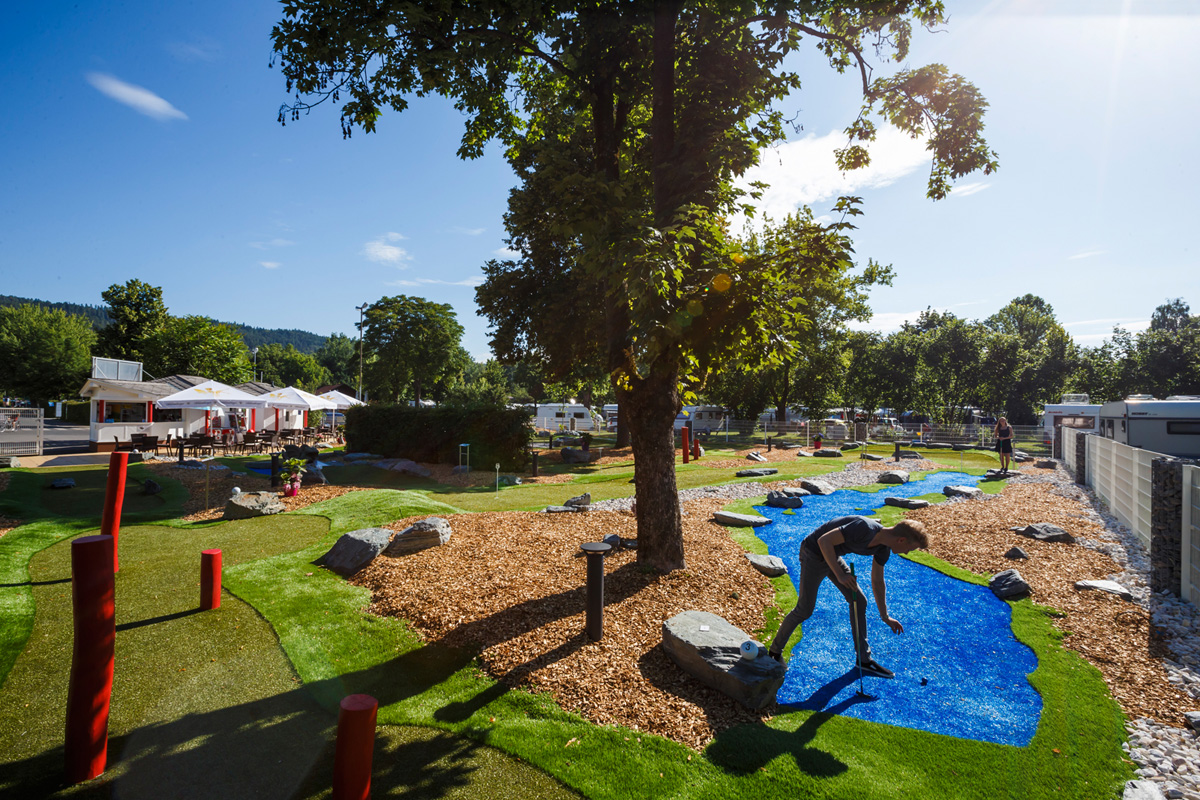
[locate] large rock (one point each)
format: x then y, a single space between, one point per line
1112 587
871 457
1142 790
850 446
1047 532
1193 720
757 472
708 648
403 465
771 566
802 454
1016 554
794 491
304 452
756 456
9 461
825 452
909 454
421 535
150 486
938 446
245 505
781 500
816 487
1008 583
355 550
1045 463
962 491
905 502
62 483
314 476
583 501
572 456
740 520
893 476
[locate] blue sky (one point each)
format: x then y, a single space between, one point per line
140 140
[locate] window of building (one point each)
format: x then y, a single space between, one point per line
1078 422
125 412
168 415
1185 427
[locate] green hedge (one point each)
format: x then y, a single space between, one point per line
432 435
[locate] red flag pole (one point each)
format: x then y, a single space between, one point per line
114 498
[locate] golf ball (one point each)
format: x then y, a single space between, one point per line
750 650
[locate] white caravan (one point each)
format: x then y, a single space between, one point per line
704 419
1170 426
1073 412
564 416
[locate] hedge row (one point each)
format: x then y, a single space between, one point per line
433 435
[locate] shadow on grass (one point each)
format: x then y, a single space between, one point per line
35 583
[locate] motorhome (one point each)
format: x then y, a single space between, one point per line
1170 426
704 419
1075 411
564 416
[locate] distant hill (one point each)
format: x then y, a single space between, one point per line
303 341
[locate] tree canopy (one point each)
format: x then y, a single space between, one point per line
136 312
627 126
413 344
45 354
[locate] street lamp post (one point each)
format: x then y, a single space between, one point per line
361 309
254 353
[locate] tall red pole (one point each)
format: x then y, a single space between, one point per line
114 498
686 444
210 579
355 746
696 449
92 594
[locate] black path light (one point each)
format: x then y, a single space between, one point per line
595 587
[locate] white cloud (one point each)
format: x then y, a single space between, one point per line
804 171
271 264
968 189
380 251
1086 254
467 231
141 100
272 243
504 252
426 281
201 49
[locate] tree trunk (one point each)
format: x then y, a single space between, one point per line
650 408
623 437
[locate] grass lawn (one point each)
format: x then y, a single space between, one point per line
242 699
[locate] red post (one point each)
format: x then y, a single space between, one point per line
150 412
686 445
114 498
253 418
355 746
92 593
696 449
99 411
210 579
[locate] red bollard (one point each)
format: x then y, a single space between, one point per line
210 579
686 445
355 747
114 498
92 594
696 449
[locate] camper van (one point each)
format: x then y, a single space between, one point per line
704 419
1170 426
1075 411
564 416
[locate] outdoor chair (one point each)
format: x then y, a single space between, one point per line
123 447
250 442
148 444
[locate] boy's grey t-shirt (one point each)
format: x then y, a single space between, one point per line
857 532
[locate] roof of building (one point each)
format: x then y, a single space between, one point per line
159 387
257 387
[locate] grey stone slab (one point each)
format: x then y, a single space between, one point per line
850 446
1112 587
1047 532
795 491
816 487
757 472
740 520
422 535
579 501
1008 583
1193 719
355 550
825 452
756 456
962 491
871 457
893 476
708 648
771 566
1016 554
246 505
905 502
781 500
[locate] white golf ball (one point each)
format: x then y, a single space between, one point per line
749 650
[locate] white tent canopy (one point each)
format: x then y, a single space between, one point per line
211 395
293 399
342 400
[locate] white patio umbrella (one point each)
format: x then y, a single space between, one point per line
210 396
342 400
293 399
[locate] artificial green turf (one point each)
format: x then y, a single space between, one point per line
337 648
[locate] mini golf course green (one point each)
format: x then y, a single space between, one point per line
241 701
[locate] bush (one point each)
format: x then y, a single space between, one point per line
496 434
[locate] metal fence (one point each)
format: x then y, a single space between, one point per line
1190 573
1120 474
21 431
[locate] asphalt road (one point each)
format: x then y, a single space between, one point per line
59 438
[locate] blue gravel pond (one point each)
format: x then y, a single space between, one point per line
959 669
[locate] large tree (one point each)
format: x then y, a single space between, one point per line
631 122
414 344
137 313
195 345
1048 351
287 366
45 354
